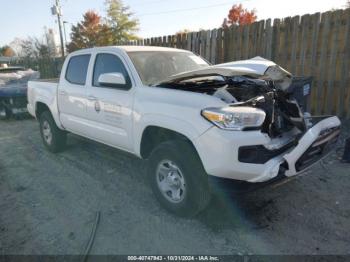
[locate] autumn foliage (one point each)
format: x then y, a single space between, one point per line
94 30
6 51
239 16
87 33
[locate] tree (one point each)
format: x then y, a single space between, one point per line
117 27
16 46
89 33
7 51
28 48
33 47
42 50
239 16
119 19
348 4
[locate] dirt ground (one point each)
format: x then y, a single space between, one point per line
48 204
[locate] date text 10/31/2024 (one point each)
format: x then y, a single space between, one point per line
173 258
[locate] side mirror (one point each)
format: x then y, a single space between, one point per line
112 80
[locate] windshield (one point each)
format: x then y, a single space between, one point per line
155 66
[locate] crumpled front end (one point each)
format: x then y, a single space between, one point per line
255 157
263 130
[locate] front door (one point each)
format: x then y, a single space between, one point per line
110 108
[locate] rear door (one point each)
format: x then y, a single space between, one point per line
72 94
110 108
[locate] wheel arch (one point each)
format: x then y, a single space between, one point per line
154 135
163 127
41 107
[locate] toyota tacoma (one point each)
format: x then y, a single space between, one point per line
191 120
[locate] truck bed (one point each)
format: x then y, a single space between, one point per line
45 89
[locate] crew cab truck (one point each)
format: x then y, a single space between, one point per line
189 119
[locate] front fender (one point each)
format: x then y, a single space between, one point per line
181 126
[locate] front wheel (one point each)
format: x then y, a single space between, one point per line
54 139
178 179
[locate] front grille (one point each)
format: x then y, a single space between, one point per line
258 154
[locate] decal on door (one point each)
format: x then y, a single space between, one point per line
113 114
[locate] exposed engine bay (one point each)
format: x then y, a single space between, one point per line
234 84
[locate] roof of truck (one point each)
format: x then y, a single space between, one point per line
134 48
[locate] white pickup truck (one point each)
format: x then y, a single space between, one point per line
192 121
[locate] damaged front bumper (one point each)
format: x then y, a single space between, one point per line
219 151
315 144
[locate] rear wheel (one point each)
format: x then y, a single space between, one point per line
54 139
178 178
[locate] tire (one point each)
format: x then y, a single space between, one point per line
178 179
53 138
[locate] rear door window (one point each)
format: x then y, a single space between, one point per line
77 69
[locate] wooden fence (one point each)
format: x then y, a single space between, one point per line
315 45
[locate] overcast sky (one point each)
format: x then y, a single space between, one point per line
22 18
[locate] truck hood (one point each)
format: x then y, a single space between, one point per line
257 67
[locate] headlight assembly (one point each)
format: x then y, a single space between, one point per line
235 118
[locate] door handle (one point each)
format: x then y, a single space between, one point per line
92 98
63 93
